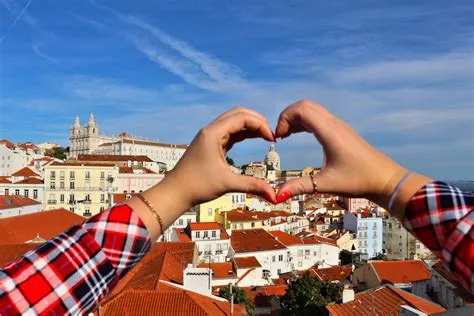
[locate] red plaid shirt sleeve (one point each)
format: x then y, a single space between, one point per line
441 216
73 272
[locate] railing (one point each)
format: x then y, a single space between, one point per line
219 252
207 252
86 214
52 201
87 202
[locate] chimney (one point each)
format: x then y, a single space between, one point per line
347 294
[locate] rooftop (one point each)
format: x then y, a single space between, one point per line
30 181
241 215
4 180
220 269
13 201
315 239
205 226
7 143
384 300
246 262
407 271
285 238
22 228
121 197
338 273
81 164
245 241
25 172
130 170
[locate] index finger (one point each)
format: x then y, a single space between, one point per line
238 122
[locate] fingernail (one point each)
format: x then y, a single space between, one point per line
274 137
283 196
269 198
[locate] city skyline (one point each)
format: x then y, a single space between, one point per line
403 80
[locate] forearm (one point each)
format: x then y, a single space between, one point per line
168 201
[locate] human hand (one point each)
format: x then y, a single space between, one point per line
203 174
351 166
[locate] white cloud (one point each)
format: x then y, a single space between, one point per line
433 69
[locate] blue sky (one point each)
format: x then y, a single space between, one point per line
400 72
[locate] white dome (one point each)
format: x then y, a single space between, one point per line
272 157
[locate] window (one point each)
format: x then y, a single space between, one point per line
307 253
300 253
88 186
52 186
273 258
17 191
102 208
88 197
7 192
35 193
266 274
102 175
300 264
61 185
53 175
71 198
241 226
180 222
209 211
88 175
189 220
71 209
198 234
213 234
280 258
26 193
72 175
234 226
102 198
253 224
71 185
278 271
61 175
61 198
206 234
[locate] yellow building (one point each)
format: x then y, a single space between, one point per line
206 212
310 171
82 188
243 219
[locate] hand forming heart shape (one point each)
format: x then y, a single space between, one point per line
352 167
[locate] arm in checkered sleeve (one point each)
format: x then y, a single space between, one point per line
74 271
441 216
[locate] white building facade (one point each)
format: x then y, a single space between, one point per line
369 230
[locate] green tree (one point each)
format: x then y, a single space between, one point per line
308 296
240 297
230 161
57 152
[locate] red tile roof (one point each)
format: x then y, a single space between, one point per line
22 228
121 197
9 252
7 143
13 201
246 241
315 239
339 273
168 300
125 170
407 271
30 181
279 213
150 143
246 262
384 300
240 215
81 164
4 180
286 239
122 158
25 172
182 235
205 226
220 269
260 295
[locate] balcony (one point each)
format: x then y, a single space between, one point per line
207 253
219 252
87 201
52 201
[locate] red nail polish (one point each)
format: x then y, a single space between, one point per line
283 196
269 198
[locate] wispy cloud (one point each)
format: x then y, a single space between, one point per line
430 69
18 15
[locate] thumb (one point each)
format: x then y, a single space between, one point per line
249 184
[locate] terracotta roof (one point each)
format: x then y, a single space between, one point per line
281 222
82 164
27 145
407 271
30 181
220 269
25 172
241 215
7 143
151 143
165 260
182 235
131 170
9 252
121 197
286 239
115 158
4 180
168 300
22 228
315 239
384 300
125 170
205 226
246 241
339 273
279 213
13 201
148 171
246 262
260 295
